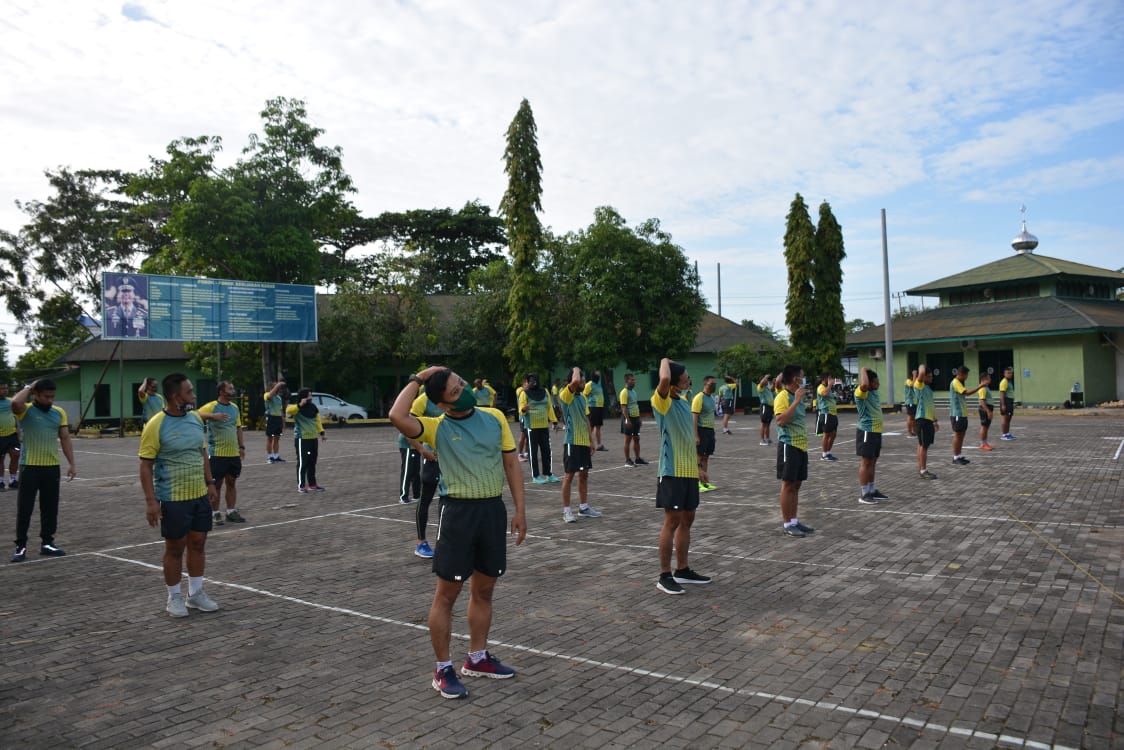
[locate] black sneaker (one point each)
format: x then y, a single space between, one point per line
686 575
868 499
961 460
629 464
14 484
668 584
877 495
793 531
216 519
20 554
50 550
805 529
235 517
641 462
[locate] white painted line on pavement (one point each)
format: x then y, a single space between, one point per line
661 676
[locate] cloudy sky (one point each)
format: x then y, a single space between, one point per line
707 115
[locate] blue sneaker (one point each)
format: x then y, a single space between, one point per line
424 550
540 480
446 682
552 478
489 666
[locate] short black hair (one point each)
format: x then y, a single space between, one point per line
677 371
46 384
171 385
436 384
789 373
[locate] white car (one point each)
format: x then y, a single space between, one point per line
335 408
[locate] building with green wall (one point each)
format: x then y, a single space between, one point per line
1059 324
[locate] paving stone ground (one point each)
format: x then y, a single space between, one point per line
983 609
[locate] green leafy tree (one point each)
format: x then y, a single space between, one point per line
749 364
768 330
827 285
528 327
479 328
624 294
5 368
57 332
800 306
858 324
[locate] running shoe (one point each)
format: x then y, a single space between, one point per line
489 666
878 495
302 488
869 499
20 554
176 606
568 516
668 584
216 518
540 480
235 517
446 682
628 464
805 529
50 550
793 531
961 461
686 575
641 462
926 474
15 483
552 479
423 550
1007 436
589 512
315 488
986 447
200 601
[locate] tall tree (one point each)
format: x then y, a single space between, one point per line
800 307
476 337
528 329
827 283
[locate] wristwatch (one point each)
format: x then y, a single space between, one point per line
416 379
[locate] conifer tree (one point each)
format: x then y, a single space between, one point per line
800 306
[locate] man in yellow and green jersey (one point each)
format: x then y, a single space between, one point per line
910 401
630 422
792 447
178 491
9 441
703 408
227 449
152 403
535 404
274 420
827 416
868 436
484 392
728 399
926 422
1007 401
595 399
677 492
767 395
44 428
958 410
577 452
986 414
306 427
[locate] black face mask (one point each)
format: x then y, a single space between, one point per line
42 407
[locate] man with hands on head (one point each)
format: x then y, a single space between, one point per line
477 455
792 446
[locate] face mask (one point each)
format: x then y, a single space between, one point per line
465 401
42 407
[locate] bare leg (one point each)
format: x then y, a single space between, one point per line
441 616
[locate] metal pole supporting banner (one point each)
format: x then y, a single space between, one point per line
889 381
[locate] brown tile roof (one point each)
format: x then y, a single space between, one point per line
1016 268
1038 316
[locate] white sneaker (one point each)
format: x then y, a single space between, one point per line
568 515
176 606
202 602
589 512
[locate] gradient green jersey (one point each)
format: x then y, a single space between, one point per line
629 404
304 428
910 397
985 398
152 403
274 406
541 411
926 409
957 400
869 408
703 405
1006 391
7 418
41 435
795 433
678 457
594 394
471 450
768 397
222 435
575 409
175 446
726 392
825 400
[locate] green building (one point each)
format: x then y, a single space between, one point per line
1059 324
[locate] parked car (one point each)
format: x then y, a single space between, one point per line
335 408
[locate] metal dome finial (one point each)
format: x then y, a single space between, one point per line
1025 242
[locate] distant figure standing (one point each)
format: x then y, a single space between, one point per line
595 399
792 447
767 395
910 401
534 402
274 421
926 422
1007 401
868 436
630 422
827 417
577 455
9 441
152 403
483 391
958 411
306 427
703 410
727 399
986 414
227 449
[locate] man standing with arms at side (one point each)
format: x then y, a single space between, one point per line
1007 401
827 417
792 447
595 399
677 492
926 422
227 449
986 413
577 457
477 454
152 403
767 395
274 421
703 411
44 430
958 410
9 440
727 397
178 492
868 436
630 421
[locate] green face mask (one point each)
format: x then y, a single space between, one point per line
465 401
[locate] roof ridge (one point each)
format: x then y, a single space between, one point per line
1073 309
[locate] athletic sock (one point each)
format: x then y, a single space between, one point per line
194 585
442 664
475 656
174 590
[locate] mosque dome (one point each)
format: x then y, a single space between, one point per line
1025 242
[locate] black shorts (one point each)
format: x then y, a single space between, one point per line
678 493
705 446
985 418
9 443
274 426
632 427
868 444
826 423
959 424
1007 409
792 463
727 407
471 535
926 434
177 517
225 466
596 416
576 458
911 409
766 413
